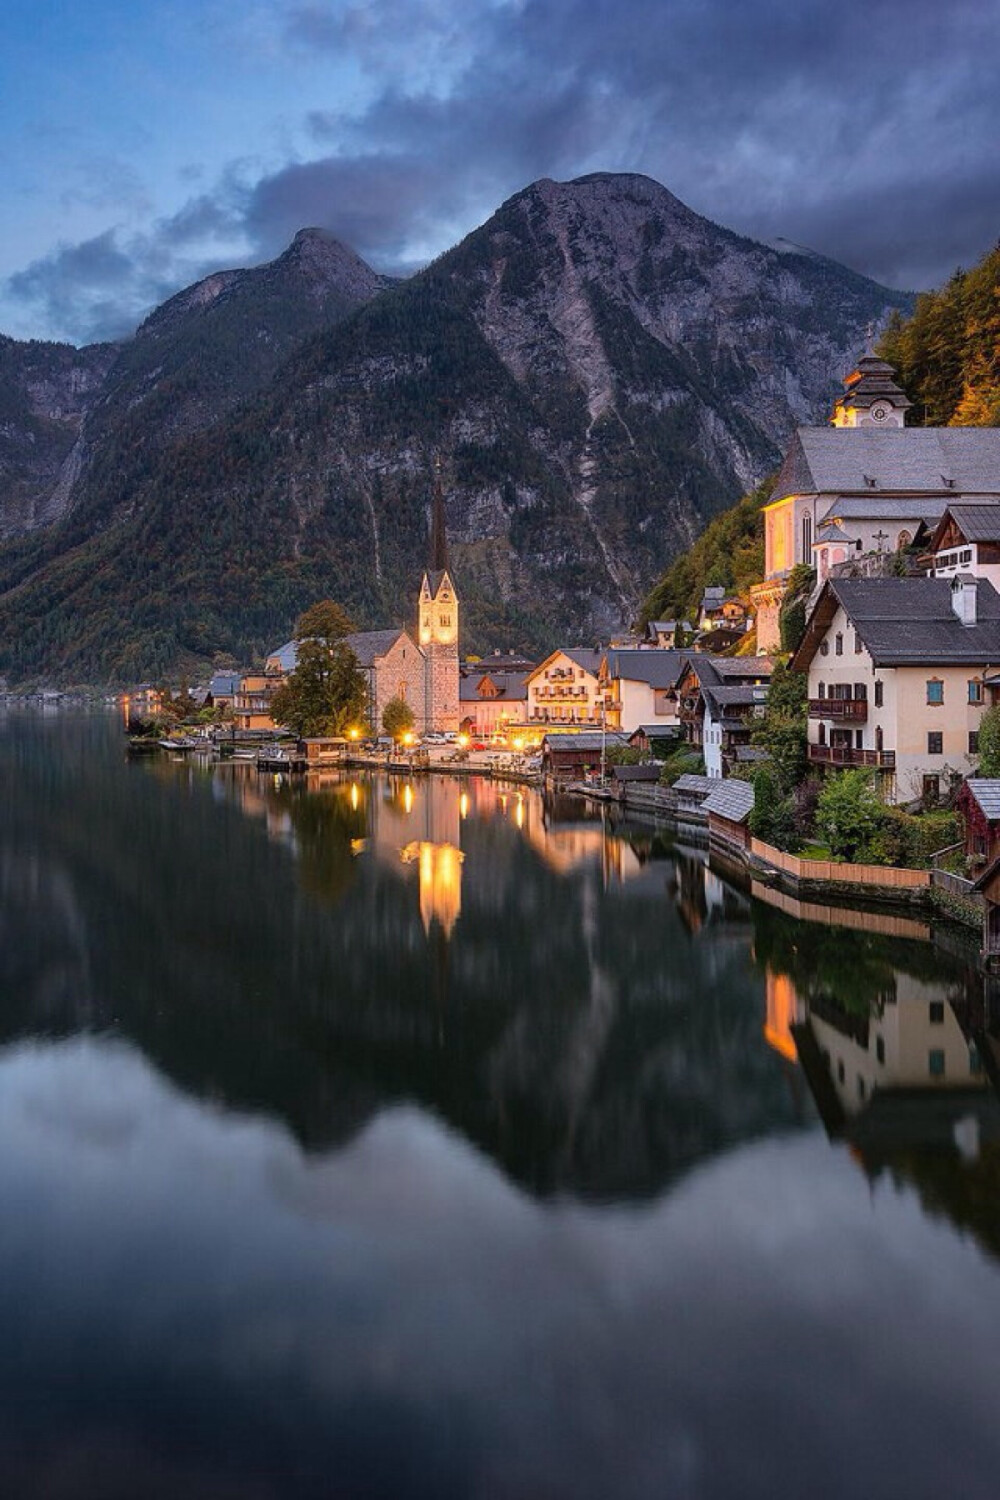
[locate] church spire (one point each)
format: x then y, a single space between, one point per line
438 562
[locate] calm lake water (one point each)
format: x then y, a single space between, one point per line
404 1140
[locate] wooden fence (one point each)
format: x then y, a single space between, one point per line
884 876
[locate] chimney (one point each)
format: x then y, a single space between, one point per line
963 598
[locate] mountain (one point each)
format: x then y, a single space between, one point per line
602 369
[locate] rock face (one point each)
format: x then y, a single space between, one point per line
601 369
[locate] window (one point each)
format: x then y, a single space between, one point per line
824 648
935 1062
935 742
839 644
858 648
973 741
878 695
935 690
935 1012
822 690
975 691
861 692
880 1048
807 539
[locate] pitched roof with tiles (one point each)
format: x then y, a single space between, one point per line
367 645
929 460
977 523
907 621
658 669
730 799
986 791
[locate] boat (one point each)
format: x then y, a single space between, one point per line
179 742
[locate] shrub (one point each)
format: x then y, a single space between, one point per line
849 813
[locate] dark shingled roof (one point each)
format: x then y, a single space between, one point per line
907 621
367 645
927 460
589 740
977 523
659 669
512 687
986 791
730 799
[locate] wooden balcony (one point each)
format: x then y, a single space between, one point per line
844 755
841 710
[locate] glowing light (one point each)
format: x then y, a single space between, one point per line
354 733
519 812
463 805
518 745
355 796
463 741
408 738
408 798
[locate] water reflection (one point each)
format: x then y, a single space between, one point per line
389 1138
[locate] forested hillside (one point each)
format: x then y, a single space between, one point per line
729 552
948 353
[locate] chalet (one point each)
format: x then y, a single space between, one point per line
663 634
728 807
573 757
896 670
967 540
978 805
866 487
564 689
491 701
720 697
640 687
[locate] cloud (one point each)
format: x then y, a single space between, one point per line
842 128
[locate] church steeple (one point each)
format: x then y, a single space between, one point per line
438 561
871 396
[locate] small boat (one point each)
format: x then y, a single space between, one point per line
179 742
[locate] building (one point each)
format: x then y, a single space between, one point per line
978 805
421 669
719 700
967 540
491 701
728 807
866 487
896 670
640 687
572 757
564 689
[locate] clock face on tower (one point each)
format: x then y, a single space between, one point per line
880 410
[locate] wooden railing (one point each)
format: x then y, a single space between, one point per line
822 869
853 709
843 755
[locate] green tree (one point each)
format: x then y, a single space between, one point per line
397 718
782 732
326 692
849 813
792 618
772 817
989 742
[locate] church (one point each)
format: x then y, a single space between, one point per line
419 666
865 487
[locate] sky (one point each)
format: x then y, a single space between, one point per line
148 143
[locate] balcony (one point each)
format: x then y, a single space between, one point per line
841 710
843 755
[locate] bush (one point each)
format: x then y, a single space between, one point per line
773 815
849 813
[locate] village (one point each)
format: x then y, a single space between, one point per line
884 540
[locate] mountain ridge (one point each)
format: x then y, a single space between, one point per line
604 369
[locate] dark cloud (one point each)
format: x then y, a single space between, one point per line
865 131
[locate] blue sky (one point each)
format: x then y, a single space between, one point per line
149 143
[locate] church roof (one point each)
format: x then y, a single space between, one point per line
367 645
873 380
952 462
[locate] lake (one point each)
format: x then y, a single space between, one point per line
385 1138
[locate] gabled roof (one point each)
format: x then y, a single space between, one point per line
898 508
590 740
908 460
511 687
656 668
906 621
590 661
730 799
977 523
367 645
986 792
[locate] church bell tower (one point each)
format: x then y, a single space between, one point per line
437 625
871 397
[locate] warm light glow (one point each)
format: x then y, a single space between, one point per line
408 738
518 745
463 741
440 868
519 812
408 798
355 796
782 1009
354 733
463 805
